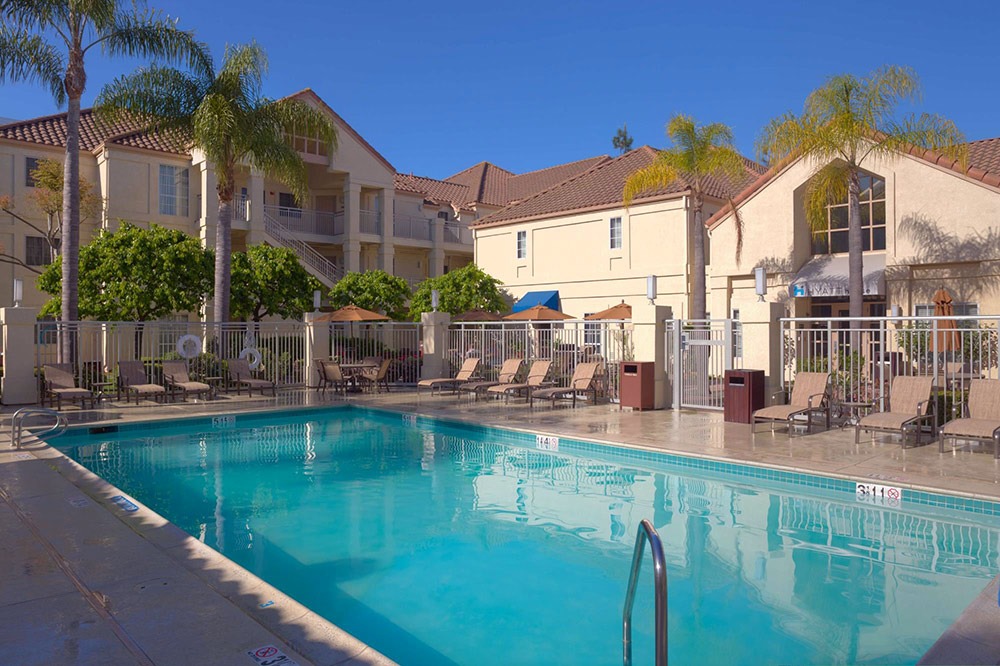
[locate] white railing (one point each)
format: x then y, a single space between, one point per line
401 342
369 220
100 345
565 343
698 353
408 226
863 355
455 232
241 209
306 221
323 268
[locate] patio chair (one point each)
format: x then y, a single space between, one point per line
330 376
810 394
60 384
176 377
375 377
538 375
508 375
909 399
132 380
241 375
466 373
584 380
982 417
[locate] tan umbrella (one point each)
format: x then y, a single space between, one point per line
351 313
621 311
477 314
947 335
538 313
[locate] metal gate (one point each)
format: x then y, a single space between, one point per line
698 353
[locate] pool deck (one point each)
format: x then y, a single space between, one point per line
129 587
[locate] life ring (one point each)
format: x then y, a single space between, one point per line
189 346
253 356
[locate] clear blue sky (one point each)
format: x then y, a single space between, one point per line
437 86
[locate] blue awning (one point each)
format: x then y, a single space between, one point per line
549 299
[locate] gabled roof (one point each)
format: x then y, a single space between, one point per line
487 183
524 185
983 165
601 186
434 191
94 132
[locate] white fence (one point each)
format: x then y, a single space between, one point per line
98 346
864 354
401 342
565 343
698 353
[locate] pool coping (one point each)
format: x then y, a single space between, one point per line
300 628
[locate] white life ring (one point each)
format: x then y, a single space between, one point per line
189 346
253 356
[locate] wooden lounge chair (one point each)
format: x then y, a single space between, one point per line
508 375
538 375
241 375
466 373
376 377
909 399
982 419
175 376
132 380
584 380
60 384
810 394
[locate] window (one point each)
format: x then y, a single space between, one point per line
833 239
616 233
592 335
443 215
961 310
173 190
36 251
288 206
30 164
522 244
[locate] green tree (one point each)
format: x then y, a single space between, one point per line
699 153
372 290
622 141
460 290
136 274
46 41
846 122
228 119
270 281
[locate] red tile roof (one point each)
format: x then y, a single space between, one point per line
435 191
51 131
487 183
524 185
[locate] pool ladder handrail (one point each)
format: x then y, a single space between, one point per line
17 424
647 533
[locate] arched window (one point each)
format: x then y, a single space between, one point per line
833 239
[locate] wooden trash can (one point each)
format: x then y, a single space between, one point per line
744 394
638 388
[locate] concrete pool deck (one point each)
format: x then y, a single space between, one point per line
86 580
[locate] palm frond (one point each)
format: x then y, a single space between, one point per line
268 151
828 185
242 74
28 57
151 34
304 120
661 173
158 96
32 14
929 131
214 124
724 162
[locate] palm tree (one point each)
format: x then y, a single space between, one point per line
845 123
224 115
33 34
699 153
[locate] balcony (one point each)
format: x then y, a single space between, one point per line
417 228
305 221
370 222
457 233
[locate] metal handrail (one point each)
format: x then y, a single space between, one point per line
647 532
280 232
17 424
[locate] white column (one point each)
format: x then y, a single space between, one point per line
209 213
762 340
19 385
255 206
352 225
648 339
435 338
436 268
386 255
317 346
386 199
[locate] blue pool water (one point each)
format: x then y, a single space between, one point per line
438 544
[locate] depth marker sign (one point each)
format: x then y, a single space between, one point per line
877 494
269 655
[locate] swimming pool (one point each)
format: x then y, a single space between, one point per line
444 543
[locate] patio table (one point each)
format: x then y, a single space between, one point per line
101 393
854 409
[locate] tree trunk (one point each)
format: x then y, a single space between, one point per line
856 274
223 260
71 229
698 270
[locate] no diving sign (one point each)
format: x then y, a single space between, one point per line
269 655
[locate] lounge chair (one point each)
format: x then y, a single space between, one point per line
132 380
810 394
374 377
175 376
60 384
909 399
508 375
982 420
466 373
241 375
538 375
584 380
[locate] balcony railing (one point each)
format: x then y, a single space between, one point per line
305 221
370 222
457 233
241 209
417 228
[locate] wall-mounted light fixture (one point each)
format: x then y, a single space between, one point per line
18 292
760 282
435 299
317 299
651 288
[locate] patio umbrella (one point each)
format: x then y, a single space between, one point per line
538 313
947 335
620 311
351 313
477 314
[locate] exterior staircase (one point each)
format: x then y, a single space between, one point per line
325 270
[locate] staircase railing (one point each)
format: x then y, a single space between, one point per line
326 270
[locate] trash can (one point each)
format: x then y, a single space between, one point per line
638 390
743 395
